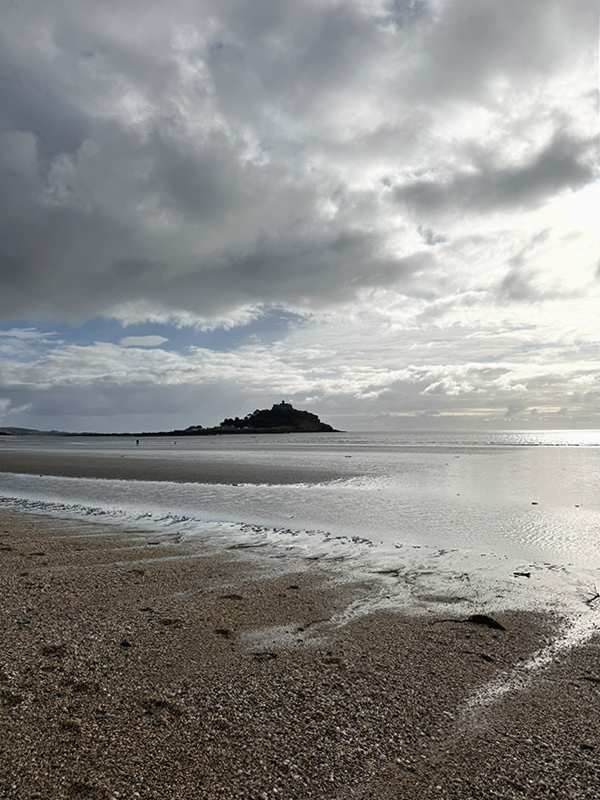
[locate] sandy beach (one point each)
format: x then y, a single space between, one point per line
135 467
136 667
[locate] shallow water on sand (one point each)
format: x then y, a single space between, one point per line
443 518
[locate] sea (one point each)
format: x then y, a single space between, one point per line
478 521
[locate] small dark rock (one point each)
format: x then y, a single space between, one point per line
83 789
11 699
168 622
70 726
54 650
155 705
483 619
264 656
83 687
125 643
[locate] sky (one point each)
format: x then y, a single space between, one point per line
383 211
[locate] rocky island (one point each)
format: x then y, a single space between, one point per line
281 418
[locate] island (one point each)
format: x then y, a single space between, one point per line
281 418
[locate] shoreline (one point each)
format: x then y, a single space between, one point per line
137 668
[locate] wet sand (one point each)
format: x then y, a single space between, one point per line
133 667
133 467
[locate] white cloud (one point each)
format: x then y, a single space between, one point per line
26 334
142 341
25 343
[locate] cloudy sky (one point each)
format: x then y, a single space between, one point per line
384 211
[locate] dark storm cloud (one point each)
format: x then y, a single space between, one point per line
315 272
564 164
83 259
201 158
32 101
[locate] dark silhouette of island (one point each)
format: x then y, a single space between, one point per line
281 418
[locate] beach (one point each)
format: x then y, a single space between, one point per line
141 666
133 465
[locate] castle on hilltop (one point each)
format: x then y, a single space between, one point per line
281 418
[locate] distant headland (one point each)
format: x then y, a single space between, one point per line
281 418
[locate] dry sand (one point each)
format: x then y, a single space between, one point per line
131 668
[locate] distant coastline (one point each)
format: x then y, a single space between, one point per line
280 418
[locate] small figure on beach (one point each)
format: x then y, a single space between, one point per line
137 441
